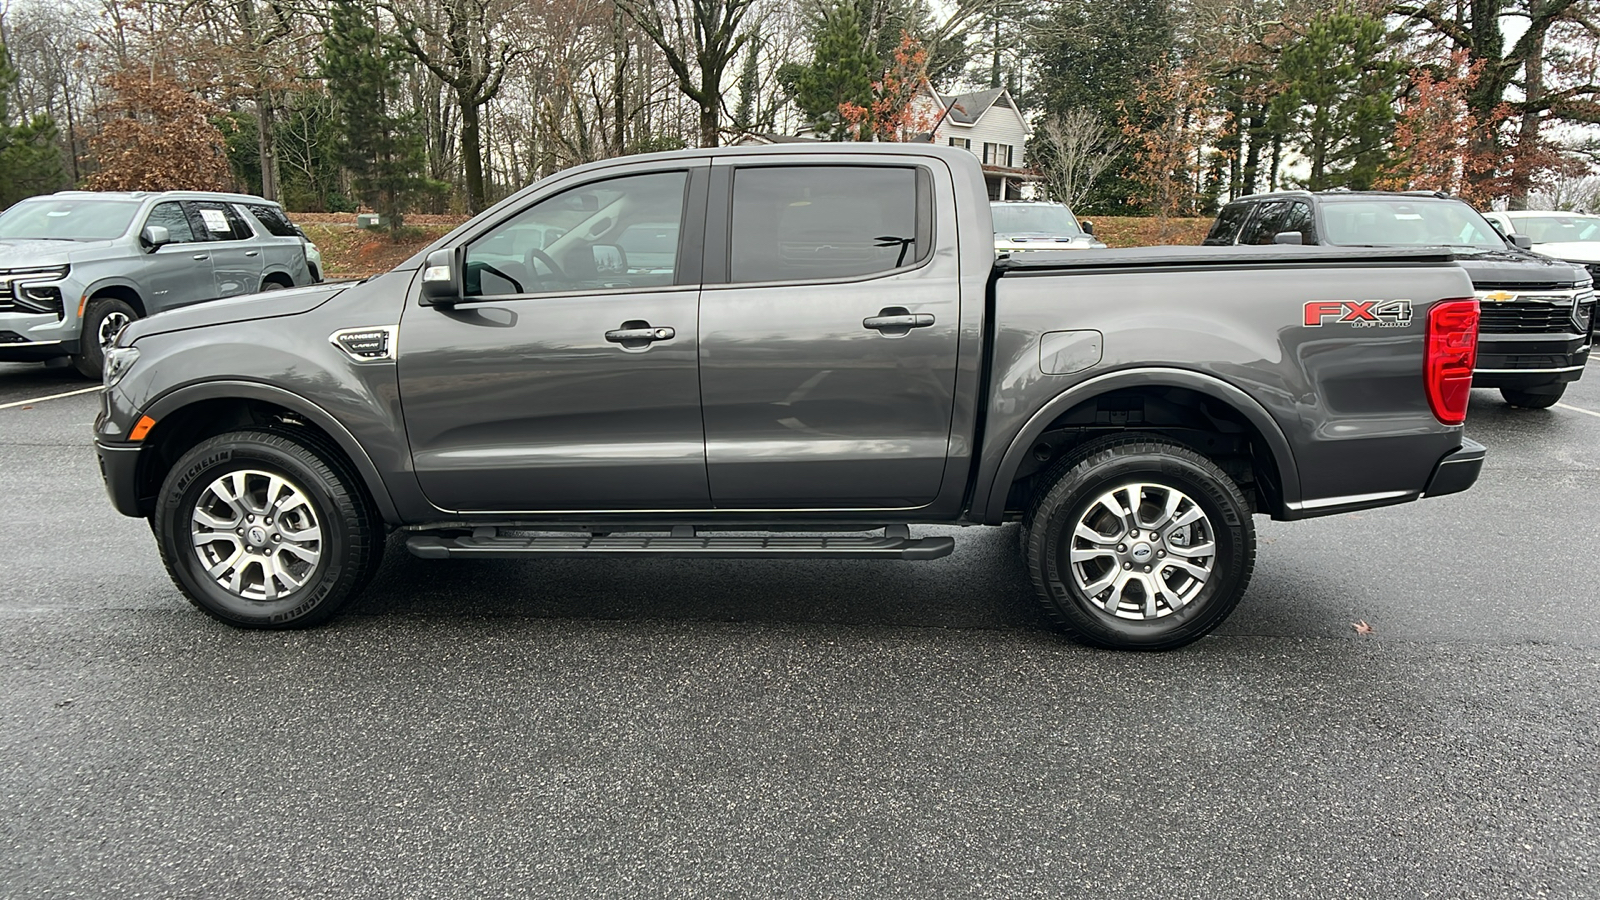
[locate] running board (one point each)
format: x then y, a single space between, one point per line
513 543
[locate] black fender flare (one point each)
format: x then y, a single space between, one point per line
174 400
994 506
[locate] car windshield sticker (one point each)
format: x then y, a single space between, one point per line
216 221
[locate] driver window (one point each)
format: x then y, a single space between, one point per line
608 234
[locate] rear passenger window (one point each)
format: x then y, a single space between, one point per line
273 220
808 223
217 222
1227 225
170 216
1270 219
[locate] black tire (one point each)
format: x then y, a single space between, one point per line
349 545
1544 398
101 315
272 284
1076 485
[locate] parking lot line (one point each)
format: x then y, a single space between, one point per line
51 397
1587 412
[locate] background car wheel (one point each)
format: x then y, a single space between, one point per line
1544 399
103 319
1140 544
264 529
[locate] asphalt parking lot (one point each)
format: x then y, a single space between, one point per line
811 729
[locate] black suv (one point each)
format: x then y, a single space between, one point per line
1536 313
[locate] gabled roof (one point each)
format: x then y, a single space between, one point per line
967 109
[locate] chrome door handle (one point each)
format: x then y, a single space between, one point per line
202 256
639 335
896 321
252 252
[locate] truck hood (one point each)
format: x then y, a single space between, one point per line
1510 267
1571 251
270 305
28 254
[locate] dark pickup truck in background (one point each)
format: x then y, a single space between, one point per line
803 345
1536 313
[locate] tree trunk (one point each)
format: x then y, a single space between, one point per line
1527 158
708 122
267 144
472 156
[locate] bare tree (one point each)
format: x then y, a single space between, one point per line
1076 149
700 39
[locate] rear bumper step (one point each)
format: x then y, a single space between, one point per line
506 543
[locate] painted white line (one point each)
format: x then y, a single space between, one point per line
71 394
1587 412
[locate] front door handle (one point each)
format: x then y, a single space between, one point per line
638 335
202 256
896 321
252 252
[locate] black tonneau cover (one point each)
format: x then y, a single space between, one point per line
1039 261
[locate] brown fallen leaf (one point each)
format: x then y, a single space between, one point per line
1361 627
27 407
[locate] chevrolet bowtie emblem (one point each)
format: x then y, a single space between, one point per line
1499 296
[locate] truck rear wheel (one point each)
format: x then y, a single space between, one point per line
263 530
1140 544
1543 398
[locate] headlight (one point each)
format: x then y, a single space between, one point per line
118 361
39 273
1583 311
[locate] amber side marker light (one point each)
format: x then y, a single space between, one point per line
141 428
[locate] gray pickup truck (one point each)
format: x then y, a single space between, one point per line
805 352
78 266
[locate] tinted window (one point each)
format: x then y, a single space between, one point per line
798 223
618 233
1559 229
170 216
217 222
273 220
1227 224
1270 219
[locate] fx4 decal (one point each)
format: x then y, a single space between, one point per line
1359 313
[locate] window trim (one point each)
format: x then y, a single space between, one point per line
719 223
691 215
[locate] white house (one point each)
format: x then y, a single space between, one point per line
989 124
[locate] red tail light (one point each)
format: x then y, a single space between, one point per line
1452 353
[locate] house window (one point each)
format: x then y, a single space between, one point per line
997 155
963 143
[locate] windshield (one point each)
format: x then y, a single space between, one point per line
1559 229
67 219
1056 221
1402 221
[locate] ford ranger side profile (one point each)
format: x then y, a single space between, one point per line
78 266
790 352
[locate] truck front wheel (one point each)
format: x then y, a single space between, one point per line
1140 544
263 529
103 319
1542 398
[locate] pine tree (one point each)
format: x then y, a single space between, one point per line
30 162
1338 86
381 148
840 72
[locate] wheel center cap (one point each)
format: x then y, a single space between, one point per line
257 535
1142 553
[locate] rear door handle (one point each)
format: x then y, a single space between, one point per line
251 252
896 321
638 335
202 256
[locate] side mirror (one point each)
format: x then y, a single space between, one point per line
1289 237
441 279
609 259
1088 227
1520 241
155 236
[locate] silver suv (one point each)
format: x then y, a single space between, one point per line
77 266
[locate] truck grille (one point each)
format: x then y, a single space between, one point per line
1524 318
8 301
